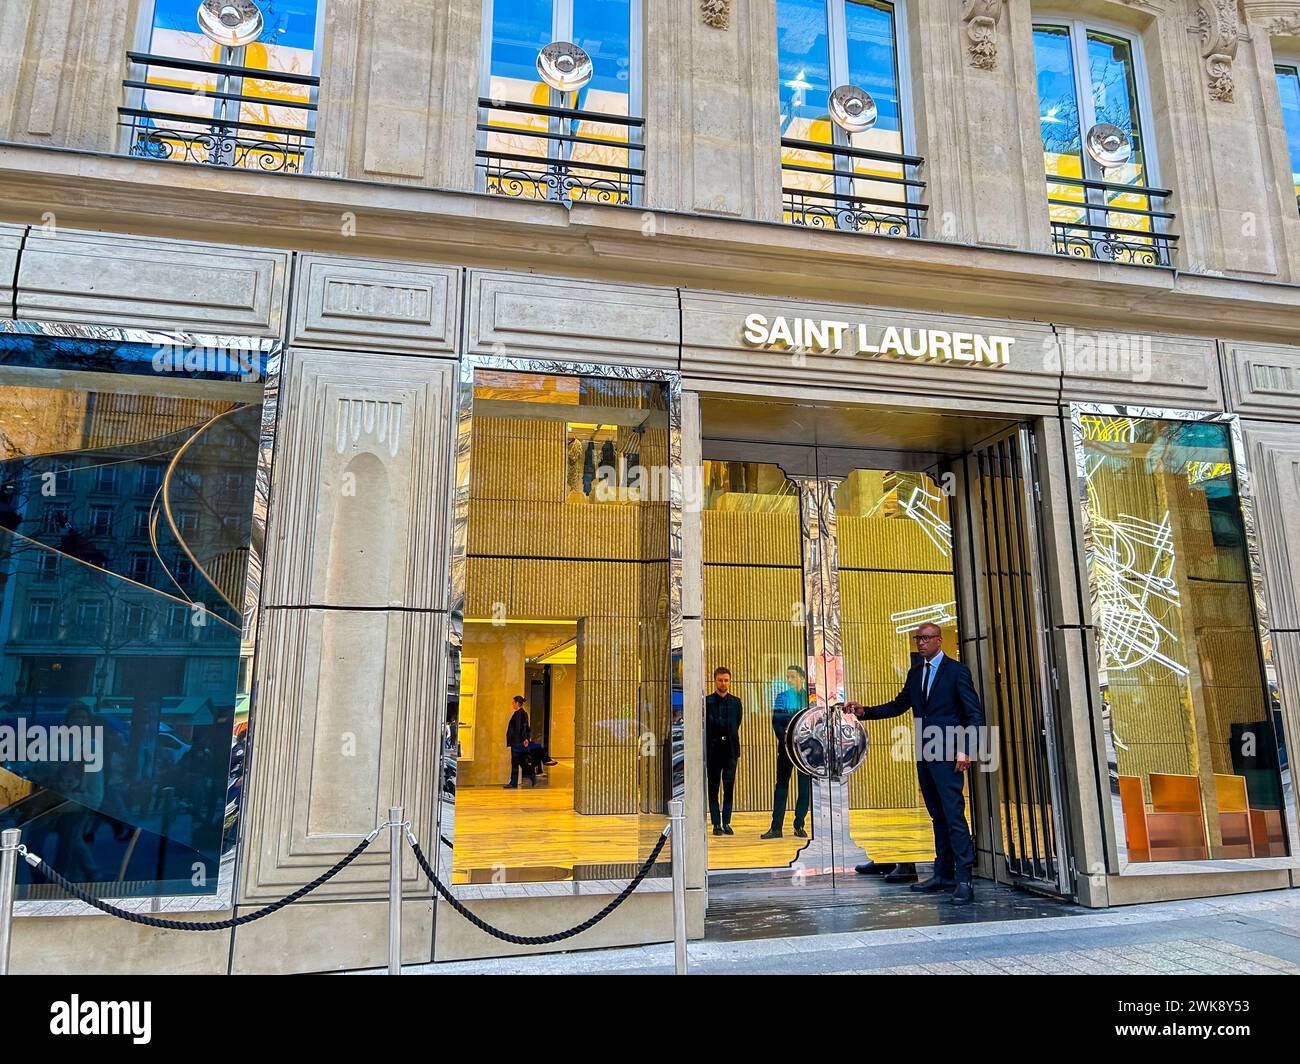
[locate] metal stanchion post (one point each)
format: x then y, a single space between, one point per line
9 839
396 841
677 816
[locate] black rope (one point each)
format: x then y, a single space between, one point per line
197 925
538 940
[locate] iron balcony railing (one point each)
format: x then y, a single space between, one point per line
533 151
834 186
219 114
1111 222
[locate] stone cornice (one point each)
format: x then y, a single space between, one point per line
412 224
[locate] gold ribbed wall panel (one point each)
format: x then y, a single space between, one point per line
741 538
535 553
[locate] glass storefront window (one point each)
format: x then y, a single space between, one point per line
123 683
1288 86
1193 733
567 606
754 626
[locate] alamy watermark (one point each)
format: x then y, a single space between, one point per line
71 744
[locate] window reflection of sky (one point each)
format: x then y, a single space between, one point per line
1288 83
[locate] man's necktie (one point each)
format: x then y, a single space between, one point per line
925 683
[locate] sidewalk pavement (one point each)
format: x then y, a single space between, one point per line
1243 934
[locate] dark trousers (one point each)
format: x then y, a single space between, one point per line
803 791
941 787
722 770
529 757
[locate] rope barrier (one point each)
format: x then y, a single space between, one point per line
537 940
55 877
59 880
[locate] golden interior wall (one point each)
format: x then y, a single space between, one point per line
537 551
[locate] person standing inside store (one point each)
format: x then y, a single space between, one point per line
524 753
789 702
941 694
722 716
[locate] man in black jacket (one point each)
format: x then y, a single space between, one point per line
524 753
941 694
722 716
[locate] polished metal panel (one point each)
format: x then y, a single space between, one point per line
459 540
232 23
1109 145
827 743
1114 819
853 109
564 66
271 352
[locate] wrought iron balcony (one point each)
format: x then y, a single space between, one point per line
855 189
532 151
1111 223
249 118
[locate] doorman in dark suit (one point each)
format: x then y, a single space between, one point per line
941 694
722 716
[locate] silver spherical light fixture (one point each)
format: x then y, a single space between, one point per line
853 109
231 23
1109 145
564 67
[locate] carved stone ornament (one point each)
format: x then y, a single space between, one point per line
716 13
1285 26
1220 37
981 20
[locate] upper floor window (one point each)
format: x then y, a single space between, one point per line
842 83
565 124
1288 85
233 84
1099 161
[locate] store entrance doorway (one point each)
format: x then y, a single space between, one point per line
830 534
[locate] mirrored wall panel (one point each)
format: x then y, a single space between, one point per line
127 485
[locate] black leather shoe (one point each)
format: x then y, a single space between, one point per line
726 829
933 885
963 895
771 833
799 832
873 869
904 872
717 830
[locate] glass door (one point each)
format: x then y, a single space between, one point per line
818 567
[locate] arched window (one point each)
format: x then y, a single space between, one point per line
864 179
537 141
252 104
1102 199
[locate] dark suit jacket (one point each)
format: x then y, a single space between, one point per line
953 700
722 717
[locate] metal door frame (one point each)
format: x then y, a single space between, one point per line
1029 620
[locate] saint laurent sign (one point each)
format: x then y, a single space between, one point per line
893 342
